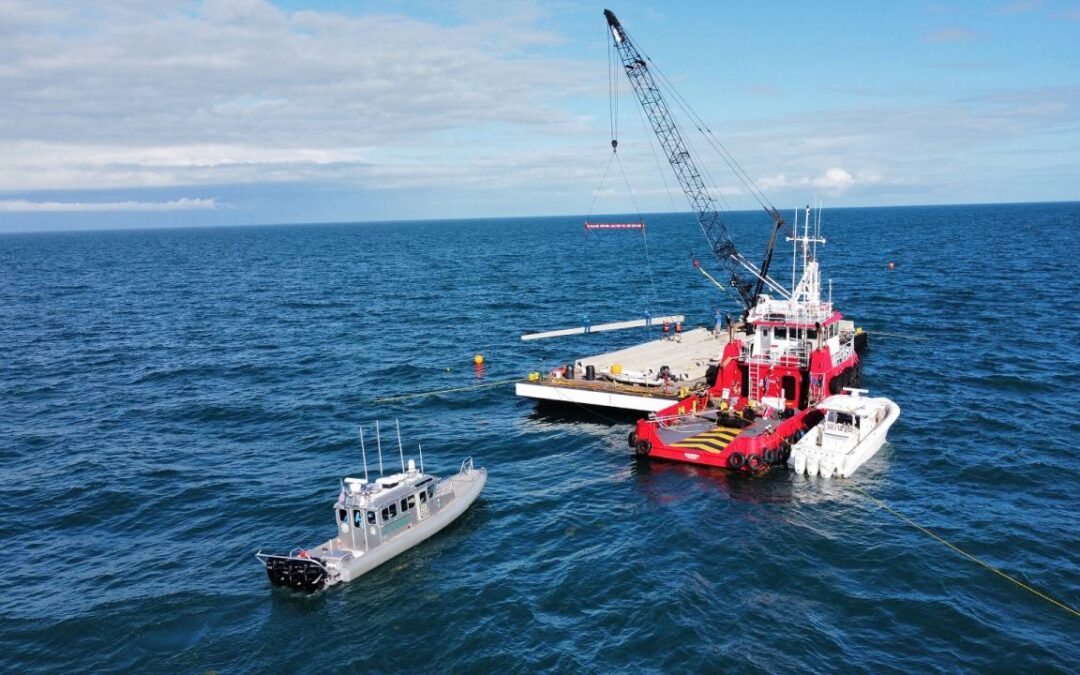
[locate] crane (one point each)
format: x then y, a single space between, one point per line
747 279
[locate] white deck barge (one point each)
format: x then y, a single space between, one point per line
689 356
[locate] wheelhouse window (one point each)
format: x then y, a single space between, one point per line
811 333
780 332
404 505
431 491
423 497
371 517
393 510
412 501
358 518
385 515
342 515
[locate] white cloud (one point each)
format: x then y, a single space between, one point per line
184 204
103 95
185 94
833 180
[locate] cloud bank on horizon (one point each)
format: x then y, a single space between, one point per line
247 111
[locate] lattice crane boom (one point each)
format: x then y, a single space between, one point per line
744 278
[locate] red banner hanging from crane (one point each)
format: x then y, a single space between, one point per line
614 226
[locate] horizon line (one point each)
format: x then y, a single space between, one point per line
139 228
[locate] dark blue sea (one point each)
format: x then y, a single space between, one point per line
173 400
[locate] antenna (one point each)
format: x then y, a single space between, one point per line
794 251
817 229
421 457
378 442
363 451
401 453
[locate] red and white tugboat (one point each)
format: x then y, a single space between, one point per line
797 350
794 348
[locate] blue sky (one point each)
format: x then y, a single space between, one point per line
129 113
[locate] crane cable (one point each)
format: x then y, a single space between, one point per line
644 237
703 128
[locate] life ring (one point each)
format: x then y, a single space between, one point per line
631 440
735 460
643 448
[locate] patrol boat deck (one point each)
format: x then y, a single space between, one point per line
591 381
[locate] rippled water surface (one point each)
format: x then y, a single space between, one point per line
174 400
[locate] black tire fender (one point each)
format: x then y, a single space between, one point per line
643 448
735 460
631 440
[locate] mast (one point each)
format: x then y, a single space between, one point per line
748 286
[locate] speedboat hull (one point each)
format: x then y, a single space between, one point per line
840 449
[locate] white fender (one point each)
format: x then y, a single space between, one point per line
799 460
812 465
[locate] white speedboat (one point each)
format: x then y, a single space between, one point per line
377 521
852 431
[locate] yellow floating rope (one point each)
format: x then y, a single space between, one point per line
446 391
967 555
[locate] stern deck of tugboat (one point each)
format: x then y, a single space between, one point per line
706 435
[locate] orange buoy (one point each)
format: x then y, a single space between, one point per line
478 359
892 265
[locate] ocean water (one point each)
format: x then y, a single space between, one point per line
174 400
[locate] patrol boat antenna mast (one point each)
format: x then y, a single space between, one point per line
363 452
401 451
378 444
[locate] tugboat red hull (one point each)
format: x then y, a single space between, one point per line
755 448
720 428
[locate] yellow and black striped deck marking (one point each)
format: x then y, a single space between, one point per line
710 441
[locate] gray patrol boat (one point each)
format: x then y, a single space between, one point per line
377 521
